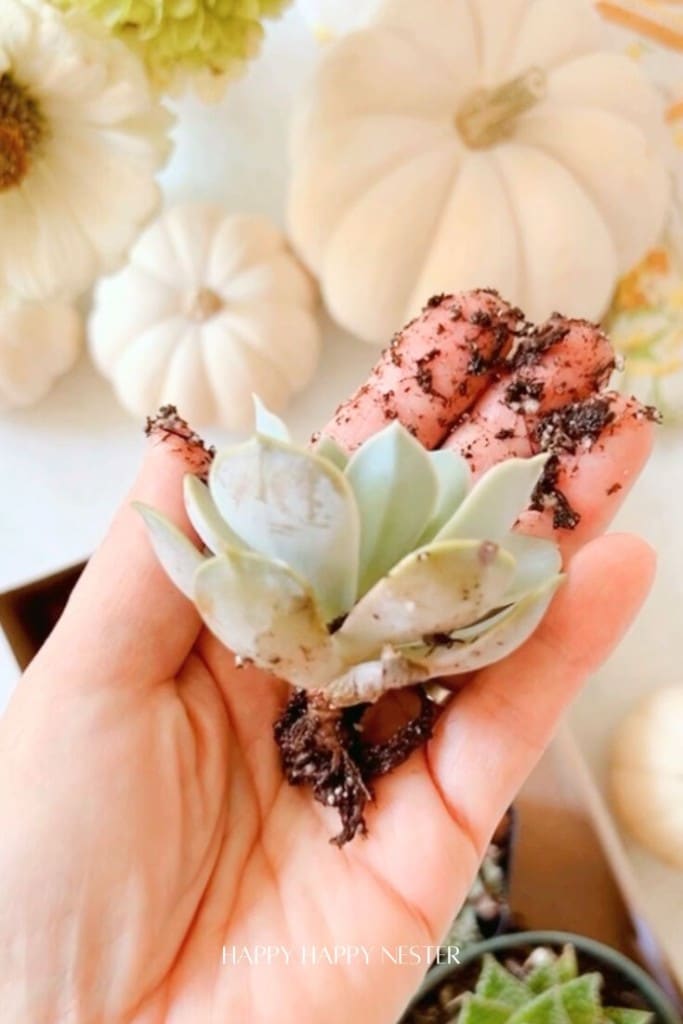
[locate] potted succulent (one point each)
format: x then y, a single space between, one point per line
486 911
539 977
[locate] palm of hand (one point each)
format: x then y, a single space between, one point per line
148 827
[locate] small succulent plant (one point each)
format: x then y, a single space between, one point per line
486 910
354 576
546 989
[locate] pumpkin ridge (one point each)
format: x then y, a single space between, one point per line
566 159
522 260
569 181
285 363
388 166
417 249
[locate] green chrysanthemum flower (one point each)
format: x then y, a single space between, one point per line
205 42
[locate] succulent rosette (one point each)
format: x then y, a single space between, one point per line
356 575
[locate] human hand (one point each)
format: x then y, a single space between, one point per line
145 821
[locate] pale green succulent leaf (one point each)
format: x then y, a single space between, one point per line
617 1015
433 590
537 560
481 626
547 1008
263 611
267 423
396 489
327 448
293 506
567 963
368 680
478 1010
509 632
205 517
453 476
497 983
176 552
544 975
496 501
581 999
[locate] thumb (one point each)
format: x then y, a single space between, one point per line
125 621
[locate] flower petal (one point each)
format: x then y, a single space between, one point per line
205 517
454 480
267 423
537 560
496 643
396 488
175 551
489 511
433 590
261 610
292 505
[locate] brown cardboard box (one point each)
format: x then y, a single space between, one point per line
28 613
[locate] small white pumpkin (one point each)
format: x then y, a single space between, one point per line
647 773
211 308
455 145
38 343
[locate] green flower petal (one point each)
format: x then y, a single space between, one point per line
434 590
175 551
491 509
396 489
509 632
261 610
537 561
294 506
454 479
267 423
205 517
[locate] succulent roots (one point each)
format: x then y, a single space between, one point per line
322 747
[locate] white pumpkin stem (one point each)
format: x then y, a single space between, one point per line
488 115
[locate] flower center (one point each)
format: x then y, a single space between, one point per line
489 115
22 129
203 304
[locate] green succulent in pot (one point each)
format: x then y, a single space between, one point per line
540 978
352 576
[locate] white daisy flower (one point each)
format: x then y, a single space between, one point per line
81 139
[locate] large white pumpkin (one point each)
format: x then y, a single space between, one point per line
211 308
453 145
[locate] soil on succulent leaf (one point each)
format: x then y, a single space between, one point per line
324 748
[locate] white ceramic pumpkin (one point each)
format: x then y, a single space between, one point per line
647 773
211 308
455 145
38 343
